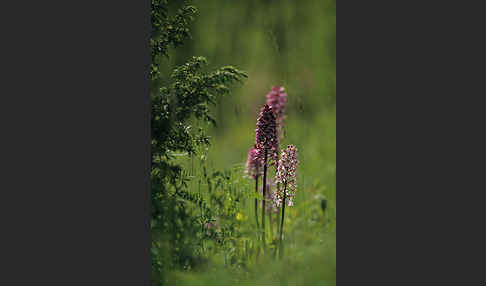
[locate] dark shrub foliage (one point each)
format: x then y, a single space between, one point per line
182 100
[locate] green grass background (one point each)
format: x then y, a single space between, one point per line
289 43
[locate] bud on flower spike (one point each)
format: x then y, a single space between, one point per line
266 133
277 100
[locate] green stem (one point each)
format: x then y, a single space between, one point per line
270 222
278 214
264 196
282 221
256 202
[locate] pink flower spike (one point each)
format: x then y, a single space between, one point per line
277 100
266 134
286 175
254 164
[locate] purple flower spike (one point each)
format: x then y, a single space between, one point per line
266 133
287 175
277 100
254 164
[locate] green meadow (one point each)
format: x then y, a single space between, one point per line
276 43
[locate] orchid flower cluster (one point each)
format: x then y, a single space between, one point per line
266 139
254 164
264 153
287 176
277 100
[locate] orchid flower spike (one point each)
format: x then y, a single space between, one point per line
287 175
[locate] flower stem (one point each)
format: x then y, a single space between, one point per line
270 223
278 214
264 196
282 221
256 202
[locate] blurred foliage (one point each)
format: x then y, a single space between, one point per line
204 230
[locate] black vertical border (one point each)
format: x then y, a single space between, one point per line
410 144
75 143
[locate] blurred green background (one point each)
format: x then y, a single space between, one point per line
290 44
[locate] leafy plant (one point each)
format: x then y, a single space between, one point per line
183 100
